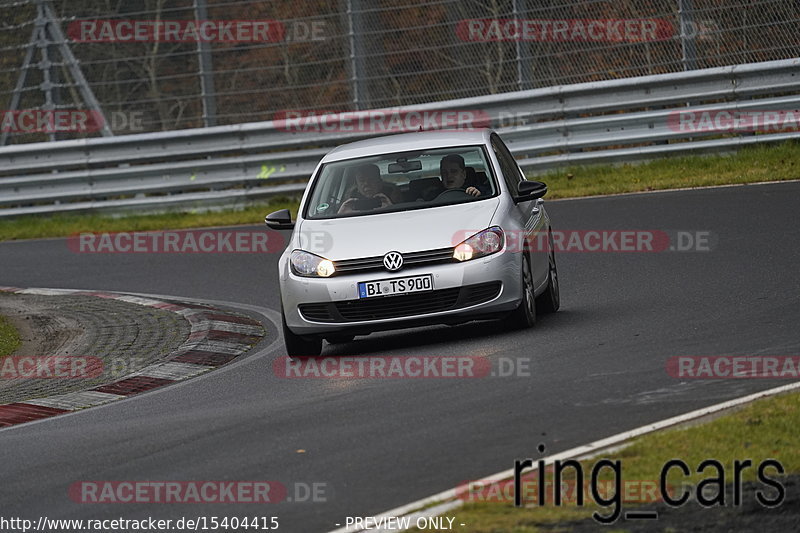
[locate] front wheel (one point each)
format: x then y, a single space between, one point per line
299 346
550 300
524 316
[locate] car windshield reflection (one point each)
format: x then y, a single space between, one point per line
401 182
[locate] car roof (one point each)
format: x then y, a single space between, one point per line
420 140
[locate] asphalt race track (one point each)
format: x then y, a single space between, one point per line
597 368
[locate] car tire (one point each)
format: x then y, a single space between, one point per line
550 300
298 345
524 316
339 339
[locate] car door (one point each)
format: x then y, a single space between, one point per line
529 213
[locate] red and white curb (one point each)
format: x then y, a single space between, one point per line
216 338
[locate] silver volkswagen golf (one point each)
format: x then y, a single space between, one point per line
414 229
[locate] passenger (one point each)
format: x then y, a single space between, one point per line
370 185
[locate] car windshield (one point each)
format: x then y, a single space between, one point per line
401 182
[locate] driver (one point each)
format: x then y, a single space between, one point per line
454 174
369 185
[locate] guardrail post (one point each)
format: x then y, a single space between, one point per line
688 30
358 70
207 90
523 49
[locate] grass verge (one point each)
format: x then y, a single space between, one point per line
9 337
749 165
37 227
765 429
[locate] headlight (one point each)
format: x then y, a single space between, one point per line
310 265
481 244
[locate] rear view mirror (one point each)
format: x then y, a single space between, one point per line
403 165
530 190
279 220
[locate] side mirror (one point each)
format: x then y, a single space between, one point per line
530 190
279 220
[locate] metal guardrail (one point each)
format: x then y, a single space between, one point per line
608 121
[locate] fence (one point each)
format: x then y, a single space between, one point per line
346 55
616 120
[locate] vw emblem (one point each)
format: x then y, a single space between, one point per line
393 261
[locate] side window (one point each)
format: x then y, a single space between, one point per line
508 166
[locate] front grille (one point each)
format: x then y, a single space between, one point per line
476 294
366 264
397 306
403 305
429 256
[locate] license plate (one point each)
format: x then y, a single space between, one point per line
387 287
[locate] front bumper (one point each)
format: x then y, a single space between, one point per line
331 306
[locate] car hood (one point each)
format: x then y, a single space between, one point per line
405 231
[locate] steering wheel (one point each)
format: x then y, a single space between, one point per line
452 194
